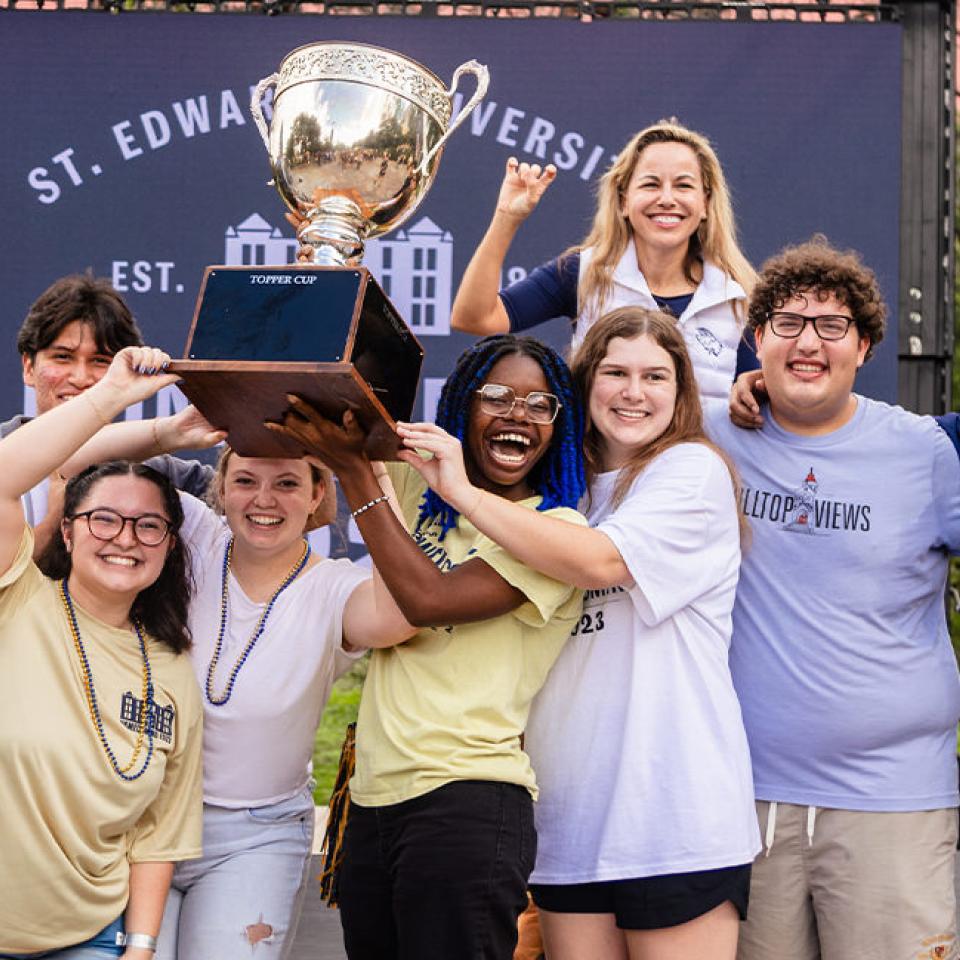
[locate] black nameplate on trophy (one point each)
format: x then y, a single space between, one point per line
313 315
327 333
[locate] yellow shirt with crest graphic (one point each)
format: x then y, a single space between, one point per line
71 826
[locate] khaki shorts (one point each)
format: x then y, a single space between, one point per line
850 885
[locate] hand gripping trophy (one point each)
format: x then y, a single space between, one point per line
354 142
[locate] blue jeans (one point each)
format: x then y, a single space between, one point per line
101 946
243 897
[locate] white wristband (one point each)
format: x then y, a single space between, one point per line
140 941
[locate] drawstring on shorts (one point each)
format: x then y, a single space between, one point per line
772 826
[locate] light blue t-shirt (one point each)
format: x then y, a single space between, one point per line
840 653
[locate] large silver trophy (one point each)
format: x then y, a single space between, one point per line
354 142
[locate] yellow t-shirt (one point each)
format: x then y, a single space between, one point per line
451 703
69 826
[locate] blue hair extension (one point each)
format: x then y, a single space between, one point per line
559 475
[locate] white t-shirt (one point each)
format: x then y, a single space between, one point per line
257 747
637 737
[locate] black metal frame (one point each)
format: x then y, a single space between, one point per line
870 11
925 312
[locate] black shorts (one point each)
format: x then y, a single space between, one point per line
651 902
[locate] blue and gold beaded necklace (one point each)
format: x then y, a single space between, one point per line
212 698
145 723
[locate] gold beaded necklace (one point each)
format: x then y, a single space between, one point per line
144 724
218 700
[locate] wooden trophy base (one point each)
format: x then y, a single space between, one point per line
327 334
240 395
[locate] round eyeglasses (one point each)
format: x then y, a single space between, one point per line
150 529
499 400
828 326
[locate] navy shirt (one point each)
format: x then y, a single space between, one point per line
950 422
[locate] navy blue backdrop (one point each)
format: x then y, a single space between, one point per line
128 147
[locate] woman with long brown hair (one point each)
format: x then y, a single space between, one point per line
645 821
663 237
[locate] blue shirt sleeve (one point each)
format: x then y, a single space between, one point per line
746 354
549 291
950 423
190 476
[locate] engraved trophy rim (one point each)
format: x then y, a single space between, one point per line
363 46
437 104
342 214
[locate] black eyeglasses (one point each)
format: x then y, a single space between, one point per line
150 529
828 326
498 400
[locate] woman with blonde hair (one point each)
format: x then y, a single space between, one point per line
663 237
646 825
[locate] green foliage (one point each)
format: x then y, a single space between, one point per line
341 709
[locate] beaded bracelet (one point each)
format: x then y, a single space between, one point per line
356 513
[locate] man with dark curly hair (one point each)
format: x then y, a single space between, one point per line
841 654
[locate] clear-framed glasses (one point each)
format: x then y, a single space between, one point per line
150 529
498 400
828 326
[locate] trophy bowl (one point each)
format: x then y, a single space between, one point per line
354 143
355 139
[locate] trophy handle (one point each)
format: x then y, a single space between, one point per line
483 81
258 91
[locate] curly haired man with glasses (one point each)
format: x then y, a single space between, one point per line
841 655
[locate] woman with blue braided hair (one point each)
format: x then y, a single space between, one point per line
440 838
646 824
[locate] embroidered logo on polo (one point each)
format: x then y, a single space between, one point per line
161 718
805 509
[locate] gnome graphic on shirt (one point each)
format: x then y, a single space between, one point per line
802 518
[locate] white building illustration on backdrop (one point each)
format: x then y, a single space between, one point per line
414 266
256 244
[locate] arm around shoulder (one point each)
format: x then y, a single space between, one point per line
566 551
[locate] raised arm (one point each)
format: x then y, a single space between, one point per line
187 429
582 556
425 595
477 307
41 446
